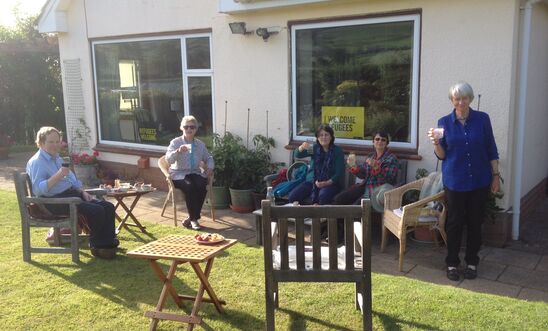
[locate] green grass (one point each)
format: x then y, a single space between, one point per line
52 293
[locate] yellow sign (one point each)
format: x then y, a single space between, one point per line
147 134
347 122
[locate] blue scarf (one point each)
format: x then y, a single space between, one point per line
322 162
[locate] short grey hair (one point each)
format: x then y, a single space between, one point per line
187 119
43 133
461 89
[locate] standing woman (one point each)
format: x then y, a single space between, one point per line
185 154
380 167
326 169
470 170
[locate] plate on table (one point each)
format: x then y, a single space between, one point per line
208 238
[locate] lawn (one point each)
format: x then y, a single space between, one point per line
52 293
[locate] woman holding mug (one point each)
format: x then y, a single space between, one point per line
470 170
185 154
326 169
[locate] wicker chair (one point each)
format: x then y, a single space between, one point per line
177 196
411 216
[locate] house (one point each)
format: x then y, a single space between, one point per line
132 68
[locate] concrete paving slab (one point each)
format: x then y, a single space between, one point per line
543 264
490 270
530 294
527 278
389 266
490 286
513 258
431 275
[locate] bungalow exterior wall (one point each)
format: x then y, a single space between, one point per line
475 41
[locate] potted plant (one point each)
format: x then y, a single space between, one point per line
85 167
224 147
497 225
5 143
249 166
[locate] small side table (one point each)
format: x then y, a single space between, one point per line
119 197
180 250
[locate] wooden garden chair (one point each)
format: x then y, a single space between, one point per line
34 214
400 220
297 262
176 196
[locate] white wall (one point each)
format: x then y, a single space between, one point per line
535 150
457 43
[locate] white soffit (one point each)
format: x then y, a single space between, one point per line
53 17
238 6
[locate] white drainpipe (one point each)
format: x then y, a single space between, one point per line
524 64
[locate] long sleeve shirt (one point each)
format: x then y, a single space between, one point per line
386 173
469 150
182 164
336 168
41 167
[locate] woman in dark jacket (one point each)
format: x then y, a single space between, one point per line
326 171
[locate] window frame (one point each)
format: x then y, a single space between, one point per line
185 74
415 68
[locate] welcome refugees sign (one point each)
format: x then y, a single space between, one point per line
347 122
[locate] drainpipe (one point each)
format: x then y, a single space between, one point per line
522 92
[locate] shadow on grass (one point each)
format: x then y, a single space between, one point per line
393 323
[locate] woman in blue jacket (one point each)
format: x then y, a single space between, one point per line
326 170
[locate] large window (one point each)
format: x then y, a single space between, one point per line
358 75
144 87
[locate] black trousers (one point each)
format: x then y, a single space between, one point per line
350 195
194 188
100 217
464 209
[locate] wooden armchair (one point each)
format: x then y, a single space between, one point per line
402 220
177 196
33 214
297 262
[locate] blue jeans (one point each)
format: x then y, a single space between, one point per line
305 190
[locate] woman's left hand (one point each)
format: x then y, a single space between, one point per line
323 184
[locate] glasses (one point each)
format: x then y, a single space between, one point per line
380 139
188 127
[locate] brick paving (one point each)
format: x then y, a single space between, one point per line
513 271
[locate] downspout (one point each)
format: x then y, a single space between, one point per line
522 103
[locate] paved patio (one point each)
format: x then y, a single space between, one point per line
512 272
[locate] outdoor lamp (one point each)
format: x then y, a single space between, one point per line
238 28
266 32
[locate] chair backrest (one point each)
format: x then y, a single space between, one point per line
23 189
164 166
310 257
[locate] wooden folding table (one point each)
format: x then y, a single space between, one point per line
119 197
182 249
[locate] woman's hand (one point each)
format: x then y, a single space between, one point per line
86 196
495 184
183 149
323 184
304 146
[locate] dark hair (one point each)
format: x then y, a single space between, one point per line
327 129
383 134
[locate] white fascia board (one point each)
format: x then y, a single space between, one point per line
231 6
53 18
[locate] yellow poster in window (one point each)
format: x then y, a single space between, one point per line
347 122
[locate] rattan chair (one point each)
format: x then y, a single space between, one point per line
411 216
177 196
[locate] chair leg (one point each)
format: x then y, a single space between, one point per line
25 230
383 238
74 241
367 309
174 209
166 201
269 293
402 251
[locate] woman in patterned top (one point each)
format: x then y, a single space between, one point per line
185 154
380 167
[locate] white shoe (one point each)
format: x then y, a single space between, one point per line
195 225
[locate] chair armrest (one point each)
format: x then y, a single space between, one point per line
422 203
53 201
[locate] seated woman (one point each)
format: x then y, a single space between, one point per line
184 154
325 172
380 167
50 179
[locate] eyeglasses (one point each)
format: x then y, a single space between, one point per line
188 127
380 139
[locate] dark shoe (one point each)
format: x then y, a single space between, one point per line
186 223
453 274
471 272
104 253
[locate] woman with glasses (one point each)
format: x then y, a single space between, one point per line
470 170
380 167
185 154
326 169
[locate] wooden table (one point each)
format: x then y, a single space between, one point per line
182 249
120 196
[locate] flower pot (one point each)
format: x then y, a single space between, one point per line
241 201
87 174
425 235
257 198
221 197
